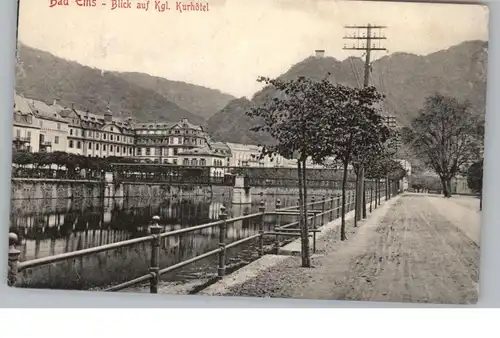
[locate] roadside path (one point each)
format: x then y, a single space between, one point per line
421 248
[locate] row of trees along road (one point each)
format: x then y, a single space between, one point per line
448 136
322 121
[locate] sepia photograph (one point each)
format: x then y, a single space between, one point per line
301 149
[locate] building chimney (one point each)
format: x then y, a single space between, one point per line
320 53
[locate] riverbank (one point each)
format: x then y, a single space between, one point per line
397 255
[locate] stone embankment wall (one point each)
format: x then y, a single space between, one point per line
54 188
76 189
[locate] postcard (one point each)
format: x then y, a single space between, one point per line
327 150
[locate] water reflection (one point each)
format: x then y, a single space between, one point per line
49 227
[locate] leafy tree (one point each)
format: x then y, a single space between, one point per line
293 119
475 180
475 176
446 135
376 147
352 130
22 158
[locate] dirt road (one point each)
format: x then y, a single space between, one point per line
421 249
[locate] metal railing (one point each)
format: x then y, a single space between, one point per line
60 174
320 211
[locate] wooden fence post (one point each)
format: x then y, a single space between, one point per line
221 270
276 227
262 209
314 226
330 214
154 266
13 259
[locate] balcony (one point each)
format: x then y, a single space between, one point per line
45 144
22 140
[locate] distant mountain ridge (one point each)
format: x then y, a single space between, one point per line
201 101
406 80
45 77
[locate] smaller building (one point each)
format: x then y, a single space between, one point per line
222 149
25 130
38 127
204 157
53 127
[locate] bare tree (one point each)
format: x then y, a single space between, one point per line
446 135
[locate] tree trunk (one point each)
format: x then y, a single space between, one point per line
342 224
363 207
356 210
301 215
444 185
306 216
448 183
386 187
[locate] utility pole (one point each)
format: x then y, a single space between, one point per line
17 29
365 38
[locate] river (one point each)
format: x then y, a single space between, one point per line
53 226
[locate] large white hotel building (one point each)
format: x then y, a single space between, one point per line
40 127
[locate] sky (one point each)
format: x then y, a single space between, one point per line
236 41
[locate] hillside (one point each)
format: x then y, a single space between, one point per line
405 79
201 101
229 129
45 77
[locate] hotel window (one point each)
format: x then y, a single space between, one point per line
58 126
90 145
76 132
111 129
124 150
104 147
194 162
176 151
175 161
111 137
138 151
78 145
158 151
56 139
186 161
110 148
18 133
103 136
118 138
203 162
130 150
97 146
71 143
148 151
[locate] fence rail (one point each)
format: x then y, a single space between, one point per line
320 212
